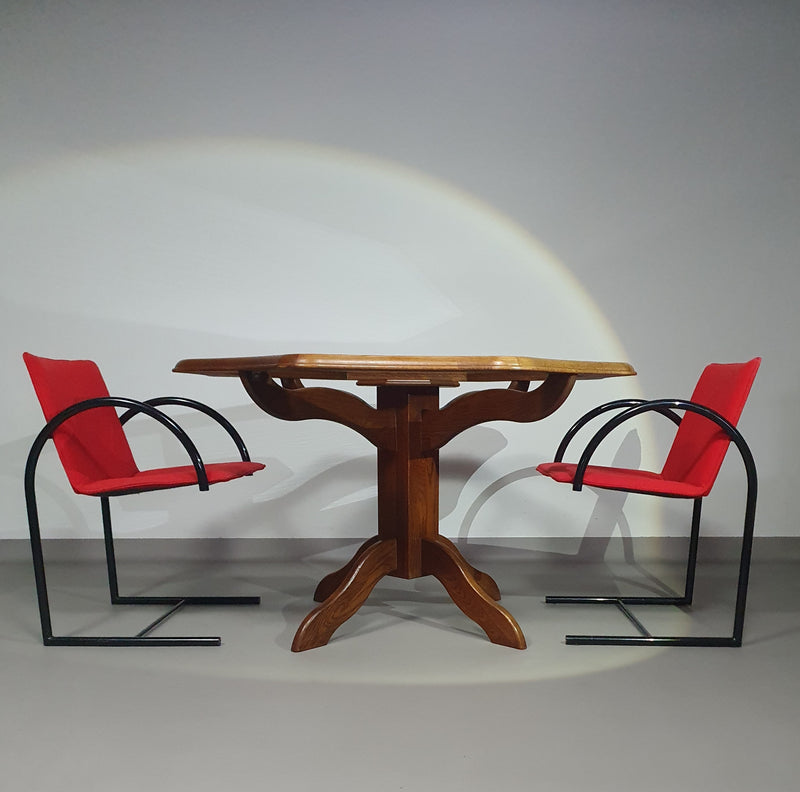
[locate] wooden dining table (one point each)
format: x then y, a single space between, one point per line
408 427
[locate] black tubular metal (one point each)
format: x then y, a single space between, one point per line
634 640
143 638
113 582
589 600
161 619
665 406
144 599
592 414
632 619
131 404
658 405
195 405
691 561
125 640
36 550
108 539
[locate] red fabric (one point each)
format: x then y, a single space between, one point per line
621 479
92 445
699 446
168 478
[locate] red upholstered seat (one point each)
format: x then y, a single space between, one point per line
169 478
699 447
92 445
621 479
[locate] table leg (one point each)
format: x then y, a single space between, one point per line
484 580
442 560
330 582
367 568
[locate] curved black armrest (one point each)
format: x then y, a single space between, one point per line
195 405
113 401
592 414
660 405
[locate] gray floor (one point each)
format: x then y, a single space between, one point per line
409 695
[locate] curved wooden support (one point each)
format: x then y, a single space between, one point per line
478 407
485 581
328 584
446 564
297 403
377 560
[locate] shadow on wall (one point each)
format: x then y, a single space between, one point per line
349 488
607 515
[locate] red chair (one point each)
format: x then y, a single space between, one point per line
94 452
705 431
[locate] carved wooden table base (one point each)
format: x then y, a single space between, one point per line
408 428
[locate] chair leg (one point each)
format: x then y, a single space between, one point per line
691 562
744 566
113 582
111 560
48 639
645 638
38 563
143 638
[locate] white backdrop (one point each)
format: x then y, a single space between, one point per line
599 181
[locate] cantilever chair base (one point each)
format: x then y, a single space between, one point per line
132 641
623 640
143 638
645 639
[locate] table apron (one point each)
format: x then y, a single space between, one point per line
432 427
298 403
439 426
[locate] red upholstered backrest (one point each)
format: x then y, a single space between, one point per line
91 445
700 445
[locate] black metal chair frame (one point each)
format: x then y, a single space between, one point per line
633 408
176 603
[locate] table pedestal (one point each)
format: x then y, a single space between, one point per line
408 544
408 428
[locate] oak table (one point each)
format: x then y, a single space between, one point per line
408 427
